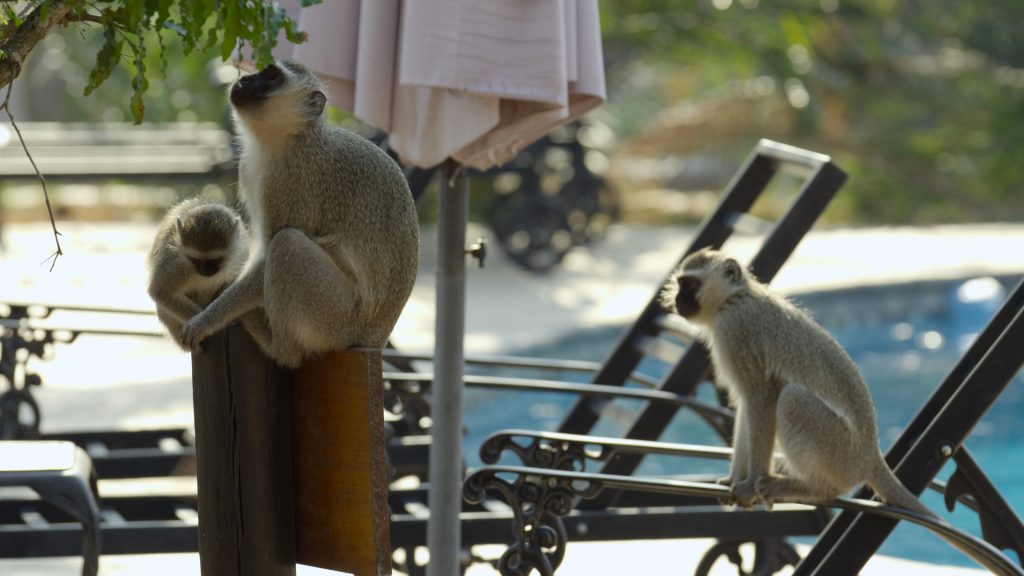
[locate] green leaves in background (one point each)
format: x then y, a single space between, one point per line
231 25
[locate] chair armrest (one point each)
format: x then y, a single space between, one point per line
551 364
580 485
545 445
719 418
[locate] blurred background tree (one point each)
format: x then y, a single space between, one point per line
921 101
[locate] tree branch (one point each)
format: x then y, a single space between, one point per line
16 50
25 38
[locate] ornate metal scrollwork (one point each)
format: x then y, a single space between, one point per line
540 453
539 506
770 556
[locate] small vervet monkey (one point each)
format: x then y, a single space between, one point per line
200 247
335 233
791 382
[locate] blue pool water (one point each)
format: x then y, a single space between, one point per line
904 339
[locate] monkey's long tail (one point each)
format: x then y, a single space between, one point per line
893 492
889 487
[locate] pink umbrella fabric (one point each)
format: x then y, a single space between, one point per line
472 80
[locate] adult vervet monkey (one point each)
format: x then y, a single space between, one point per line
791 384
334 227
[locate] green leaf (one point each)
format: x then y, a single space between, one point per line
232 25
139 83
163 13
308 3
10 15
106 58
138 107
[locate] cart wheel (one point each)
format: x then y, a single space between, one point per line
533 230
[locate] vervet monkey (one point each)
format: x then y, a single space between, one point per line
200 247
791 382
335 233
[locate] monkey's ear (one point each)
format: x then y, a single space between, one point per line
317 101
733 272
178 224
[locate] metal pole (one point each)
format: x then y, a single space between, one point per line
445 476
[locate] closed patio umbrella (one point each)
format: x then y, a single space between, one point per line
474 82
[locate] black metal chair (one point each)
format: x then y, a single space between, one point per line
552 491
62 475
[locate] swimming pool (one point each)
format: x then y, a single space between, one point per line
904 339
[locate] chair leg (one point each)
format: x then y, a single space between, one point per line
77 499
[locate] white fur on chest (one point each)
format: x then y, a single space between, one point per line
251 168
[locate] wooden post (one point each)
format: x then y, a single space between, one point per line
341 484
291 465
244 459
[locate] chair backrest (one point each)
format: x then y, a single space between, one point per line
939 428
820 180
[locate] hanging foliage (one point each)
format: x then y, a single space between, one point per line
247 29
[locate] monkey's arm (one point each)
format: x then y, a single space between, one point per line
241 296
739 468
759 440
166 290
180 307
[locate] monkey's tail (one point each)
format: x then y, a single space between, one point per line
889 487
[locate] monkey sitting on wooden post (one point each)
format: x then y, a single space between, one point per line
335 236
199 249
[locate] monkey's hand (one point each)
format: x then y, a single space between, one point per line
195 331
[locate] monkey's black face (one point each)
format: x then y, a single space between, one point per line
207 267
250 91
686 298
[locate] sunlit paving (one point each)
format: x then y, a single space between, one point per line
440 288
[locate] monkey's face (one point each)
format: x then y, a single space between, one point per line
283 98
206 236
687 289
701 285
207 267
252 90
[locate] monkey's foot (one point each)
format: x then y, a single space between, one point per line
775 488
744 494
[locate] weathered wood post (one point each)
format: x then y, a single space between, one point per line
243 424
291 464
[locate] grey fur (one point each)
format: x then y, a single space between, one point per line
196 228
791 384
335 231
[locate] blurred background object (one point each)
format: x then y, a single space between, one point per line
921 102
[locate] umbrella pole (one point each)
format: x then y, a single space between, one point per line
445 475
